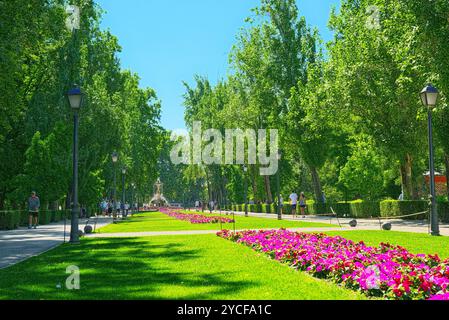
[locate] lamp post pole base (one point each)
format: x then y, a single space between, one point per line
435 234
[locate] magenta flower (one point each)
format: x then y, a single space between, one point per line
195 218
386 271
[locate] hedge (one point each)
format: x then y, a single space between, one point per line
354 209
11 220
266 208
318 208
443 211
364 209
395 208
342 209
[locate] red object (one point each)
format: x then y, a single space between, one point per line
438 179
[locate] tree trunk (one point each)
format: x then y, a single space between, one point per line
406 176
316 184
254 183
2 201
446 161
268 189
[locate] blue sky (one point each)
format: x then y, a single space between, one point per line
169 41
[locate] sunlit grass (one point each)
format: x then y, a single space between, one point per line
170 267
413 242
157 221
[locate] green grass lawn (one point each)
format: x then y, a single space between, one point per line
157 221
171 267
413 242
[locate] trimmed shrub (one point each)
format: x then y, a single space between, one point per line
266 208
341 208
364 209
44 217
52 216
317 208
9 220
287 209
443 211
24 218
395 208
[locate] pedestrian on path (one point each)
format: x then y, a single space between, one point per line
302 204
197 205
294 202
110 209
211 206
33 209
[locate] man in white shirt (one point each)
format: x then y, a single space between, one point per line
197 205
294 202
211 205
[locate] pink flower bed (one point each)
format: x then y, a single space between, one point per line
196 218
386 271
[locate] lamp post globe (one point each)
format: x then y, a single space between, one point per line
114 157
75 97
429 98
123 207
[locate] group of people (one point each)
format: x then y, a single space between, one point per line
302 203
107 207
294 203
200 205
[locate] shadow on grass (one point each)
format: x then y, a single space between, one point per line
119 269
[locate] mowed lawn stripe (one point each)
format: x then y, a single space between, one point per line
169 267
414 242
160 222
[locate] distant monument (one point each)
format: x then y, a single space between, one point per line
158 199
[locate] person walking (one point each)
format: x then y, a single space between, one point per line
33 209
302 204
110 208
294 202
211 206
281 202
197 205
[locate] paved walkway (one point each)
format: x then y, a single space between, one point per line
416 226
195 232
21 244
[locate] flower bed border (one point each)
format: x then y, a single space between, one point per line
386 271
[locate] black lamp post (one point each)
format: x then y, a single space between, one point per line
114 161
123 193
75 97
429 97
133 188
245 189
278 185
